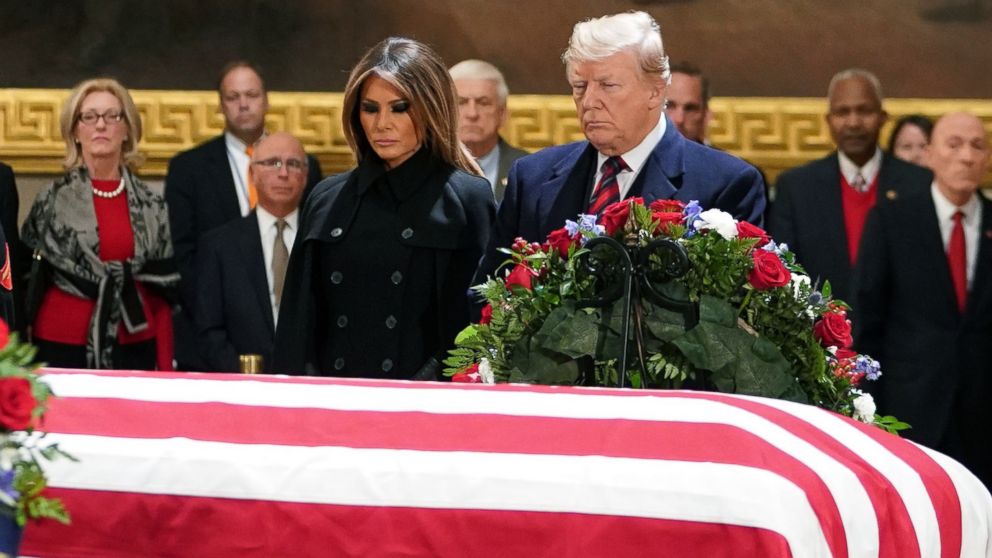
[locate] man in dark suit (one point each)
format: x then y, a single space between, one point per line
924 293
482 94
241 265
209 185
820 207
632 149
13 255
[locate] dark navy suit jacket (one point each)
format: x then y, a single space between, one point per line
555 184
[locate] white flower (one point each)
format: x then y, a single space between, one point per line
720 221
864 408
486 372
799 283
8 456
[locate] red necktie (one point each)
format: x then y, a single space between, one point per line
958 261
608 189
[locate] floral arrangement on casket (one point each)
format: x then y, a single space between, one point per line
23 399
761 327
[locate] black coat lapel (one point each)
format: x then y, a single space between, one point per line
223 179
980 285
250 244
568 190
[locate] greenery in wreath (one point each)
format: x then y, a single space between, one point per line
23 448
762 327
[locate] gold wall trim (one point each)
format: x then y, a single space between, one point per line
774 133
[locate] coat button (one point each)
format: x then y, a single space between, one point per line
387 365
336 232
396 277
336 277
407 233
339 364
342 320
391 322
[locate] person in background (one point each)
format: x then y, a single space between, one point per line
924 296
378 279
688 105
482 94
910 137
10 252
241 265
209 185
104 271
820 207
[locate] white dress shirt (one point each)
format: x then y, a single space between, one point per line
635 158
239 162
971 221
267 229
869 171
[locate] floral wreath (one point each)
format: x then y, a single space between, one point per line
763 328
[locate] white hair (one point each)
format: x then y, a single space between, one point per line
480 69
857 73
637 32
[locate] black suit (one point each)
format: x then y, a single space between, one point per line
9 206
233 308
808 214
936 363
200 192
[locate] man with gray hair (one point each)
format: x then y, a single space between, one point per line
482 94
618 71
820 207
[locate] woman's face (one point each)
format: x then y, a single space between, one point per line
909 144
387 121
99 133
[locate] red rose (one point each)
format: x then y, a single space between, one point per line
16 403
666 219
561 241
768 271
520 276
833 330
667 206
4 334
615 216
747 230
468 376
843 354
487 314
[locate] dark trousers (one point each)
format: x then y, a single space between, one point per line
133 356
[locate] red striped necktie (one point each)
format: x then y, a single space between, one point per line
608 189
957 260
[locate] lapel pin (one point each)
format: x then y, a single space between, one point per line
891 195
503 182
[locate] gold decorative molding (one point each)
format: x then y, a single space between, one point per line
775 133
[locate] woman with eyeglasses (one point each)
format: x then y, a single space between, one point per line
103 271
378 281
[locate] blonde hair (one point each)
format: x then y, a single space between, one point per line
70 119
637 32
422 79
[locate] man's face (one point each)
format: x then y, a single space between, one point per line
480 114
617 105
244 103
279 172
686 107
958 154
855 118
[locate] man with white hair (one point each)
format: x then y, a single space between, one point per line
482 94
618 72
924 295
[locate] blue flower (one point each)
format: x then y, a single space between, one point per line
7 486
868 366
815 298
571 226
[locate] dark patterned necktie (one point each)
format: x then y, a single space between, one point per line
608 189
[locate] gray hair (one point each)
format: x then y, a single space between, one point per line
480 69
596 39
857 73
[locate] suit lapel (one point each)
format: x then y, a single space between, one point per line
923 218
980 284
250 244
566 193
661 177
220 172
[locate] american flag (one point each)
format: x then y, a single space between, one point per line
225 465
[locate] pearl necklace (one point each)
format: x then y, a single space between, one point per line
111 194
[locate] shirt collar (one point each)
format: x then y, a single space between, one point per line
869 171
946 209
235 144
267 220
489 157
636 157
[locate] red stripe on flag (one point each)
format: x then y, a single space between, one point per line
104 525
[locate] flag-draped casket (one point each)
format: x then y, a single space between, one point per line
226 465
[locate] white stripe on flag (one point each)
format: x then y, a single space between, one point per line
691 491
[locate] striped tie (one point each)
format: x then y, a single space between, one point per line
608 189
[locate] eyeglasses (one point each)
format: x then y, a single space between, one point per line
292 165
110 117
